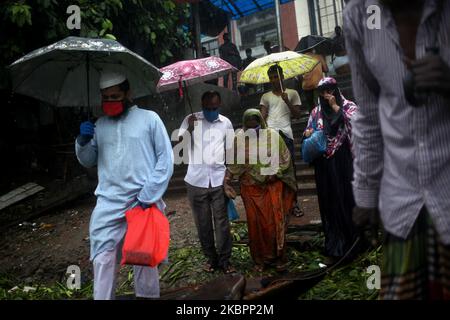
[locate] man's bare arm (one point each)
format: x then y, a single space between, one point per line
264 111
295 111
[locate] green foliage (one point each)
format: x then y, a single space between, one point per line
19 14
347 282
159 23
58 291
153 25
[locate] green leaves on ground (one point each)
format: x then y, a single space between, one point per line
185 269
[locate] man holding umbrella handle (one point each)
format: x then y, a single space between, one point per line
278 107
133 154
87 130
191 122
276 78
115 100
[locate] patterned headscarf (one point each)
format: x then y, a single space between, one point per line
327 82
330 118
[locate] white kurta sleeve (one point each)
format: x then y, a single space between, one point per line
155 187
87 154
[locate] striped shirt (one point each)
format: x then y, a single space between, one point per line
402 154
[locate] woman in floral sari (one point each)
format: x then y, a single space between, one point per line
268 189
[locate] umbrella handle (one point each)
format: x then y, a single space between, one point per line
279 79
187 96
180 88
88 87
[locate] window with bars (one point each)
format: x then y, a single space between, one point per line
212 47
328 16
256 29
256 36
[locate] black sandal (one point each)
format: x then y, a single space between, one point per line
297 211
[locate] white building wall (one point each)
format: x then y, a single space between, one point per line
302 14
236 34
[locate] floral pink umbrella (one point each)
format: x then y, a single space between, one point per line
183 73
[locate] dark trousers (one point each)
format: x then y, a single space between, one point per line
335 195
308 98
211 217
290 145
233 79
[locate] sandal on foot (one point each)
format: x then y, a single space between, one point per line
210 268
228 269
298 212
258 268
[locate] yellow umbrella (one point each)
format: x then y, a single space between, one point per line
293 64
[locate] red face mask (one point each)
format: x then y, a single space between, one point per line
113 108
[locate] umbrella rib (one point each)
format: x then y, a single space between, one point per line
40 65
60 88
75 56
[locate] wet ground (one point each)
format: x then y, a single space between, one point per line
39 251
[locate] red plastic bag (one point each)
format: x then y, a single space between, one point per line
147 238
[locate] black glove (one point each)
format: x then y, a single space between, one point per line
367 222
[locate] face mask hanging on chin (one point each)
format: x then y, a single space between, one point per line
113 108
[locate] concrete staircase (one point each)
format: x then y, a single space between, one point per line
345 85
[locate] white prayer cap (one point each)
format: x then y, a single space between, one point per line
109 78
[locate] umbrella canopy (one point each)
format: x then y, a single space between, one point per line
193 71
66 73
293 64
321 45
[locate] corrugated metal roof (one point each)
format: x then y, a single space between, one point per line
242 8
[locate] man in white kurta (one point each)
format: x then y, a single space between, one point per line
134 157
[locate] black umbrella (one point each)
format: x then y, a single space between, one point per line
276 48
66 73
321 45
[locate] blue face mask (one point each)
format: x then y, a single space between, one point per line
211 115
